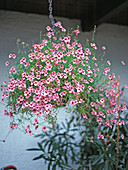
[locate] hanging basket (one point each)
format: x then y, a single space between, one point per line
59 72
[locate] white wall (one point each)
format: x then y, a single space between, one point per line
27 27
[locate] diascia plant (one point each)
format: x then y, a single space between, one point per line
61 72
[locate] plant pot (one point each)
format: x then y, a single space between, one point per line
10 167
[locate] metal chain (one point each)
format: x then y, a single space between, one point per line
51 16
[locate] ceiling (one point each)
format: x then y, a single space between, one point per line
90 12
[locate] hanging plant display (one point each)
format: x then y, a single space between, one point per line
61 72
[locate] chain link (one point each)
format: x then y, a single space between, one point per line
51 16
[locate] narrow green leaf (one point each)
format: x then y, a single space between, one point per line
66 165
18 51
39 157
49 147
99 166
46 143
65 157
97 159
114 162
40 146
106 167
34 149
49 165
93 156
63 125
54 166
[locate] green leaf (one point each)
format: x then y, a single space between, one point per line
46 143
43 141
18 51
97 159
49 165
106 167
39 157
65 157
34 149
40 146
93 156
54 166
114 162
63 125
126 129
111 167
66 165
99 166
112 148
49 147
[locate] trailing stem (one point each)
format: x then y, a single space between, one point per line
117 144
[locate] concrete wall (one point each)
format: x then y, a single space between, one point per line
27 27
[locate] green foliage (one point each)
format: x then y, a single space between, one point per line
57 146
68 144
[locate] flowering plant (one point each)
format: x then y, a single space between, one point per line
65 147
60 72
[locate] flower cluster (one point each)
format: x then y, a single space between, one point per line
60 72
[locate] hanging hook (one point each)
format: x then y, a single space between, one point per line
51 16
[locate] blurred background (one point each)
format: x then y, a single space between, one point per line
24 19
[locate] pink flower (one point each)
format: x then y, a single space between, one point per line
15 124
44 128
94 58
63 29
90 88
85 116
122 62
12 56
91 140
73 76
83 72
98 69
99 135
7 63
30 132
12 70
108 62
76 32
23 60
48 28
64 61
58 24
28 126
73 102
5 112
126 86
81 101
95 74
103 48
35 120
4 82
122 136
91 80
11 127
102 136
